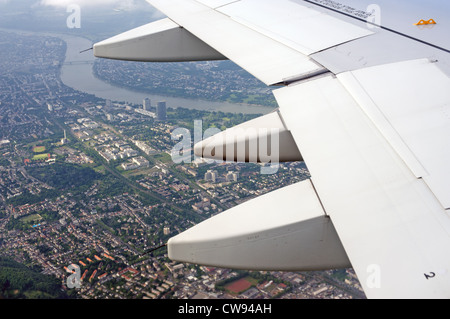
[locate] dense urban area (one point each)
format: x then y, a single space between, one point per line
88 185
213 80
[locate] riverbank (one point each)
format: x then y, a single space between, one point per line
77 73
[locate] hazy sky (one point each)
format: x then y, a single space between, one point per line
129 4
100 18
119 4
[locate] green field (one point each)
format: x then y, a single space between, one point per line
163 157
40 157
39 149
31 218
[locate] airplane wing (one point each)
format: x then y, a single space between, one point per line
364 100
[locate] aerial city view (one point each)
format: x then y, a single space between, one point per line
88 184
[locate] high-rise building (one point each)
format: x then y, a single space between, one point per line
146 104
232 177
166 230
64 139
109 117
161 114
211 176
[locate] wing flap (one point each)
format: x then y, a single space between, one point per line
411 107
387 219
293 24
216 3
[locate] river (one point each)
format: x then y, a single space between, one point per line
77 72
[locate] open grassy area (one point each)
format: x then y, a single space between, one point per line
31 218
39 149
39 157
163 157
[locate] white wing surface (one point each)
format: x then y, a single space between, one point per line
364 102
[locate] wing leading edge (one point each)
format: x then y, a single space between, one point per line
371 125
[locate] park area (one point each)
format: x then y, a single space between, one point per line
41 157
39 149
31 219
